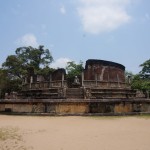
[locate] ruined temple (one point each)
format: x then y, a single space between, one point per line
99 79
100 89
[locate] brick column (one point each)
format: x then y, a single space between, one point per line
118 80
62 82
31 81
82 78
50 79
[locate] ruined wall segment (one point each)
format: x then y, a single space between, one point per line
96 107
57 74
100 79
104 71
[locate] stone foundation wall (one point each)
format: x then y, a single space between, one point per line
77 107
27 108
2 107
72 108
123 108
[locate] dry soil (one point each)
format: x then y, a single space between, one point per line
74 133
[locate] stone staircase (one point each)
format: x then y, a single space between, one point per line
112 93
74 93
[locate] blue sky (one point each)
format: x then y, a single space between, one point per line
74 30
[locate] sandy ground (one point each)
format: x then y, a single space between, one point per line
74 133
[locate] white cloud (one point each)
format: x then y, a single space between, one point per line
103 15
63 9
27 40
60 63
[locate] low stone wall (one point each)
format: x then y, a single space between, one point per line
76 107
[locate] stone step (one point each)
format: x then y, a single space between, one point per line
74 93
74 89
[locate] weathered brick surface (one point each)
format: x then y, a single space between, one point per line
104 71
2 107
101 108
72 108
38 108
50 108
123 108
57 75
26 108
145 107
104 106
8 106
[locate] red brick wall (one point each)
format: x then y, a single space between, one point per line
104 73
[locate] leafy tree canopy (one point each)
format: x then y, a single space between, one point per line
34 57
17 66
128 74
8 85
136 82
14 66
27 57
141 81
145 72
74 69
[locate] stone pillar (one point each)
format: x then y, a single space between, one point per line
0 93
50 80
147 94
31 81
64 92
82 78
62 80
108 83
25 80
129 79
96 79
118 80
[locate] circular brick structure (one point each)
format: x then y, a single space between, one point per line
103 70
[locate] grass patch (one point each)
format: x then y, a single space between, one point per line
9 133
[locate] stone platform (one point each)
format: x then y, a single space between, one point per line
100 89
75 106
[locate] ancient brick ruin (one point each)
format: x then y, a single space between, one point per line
101 88
99 79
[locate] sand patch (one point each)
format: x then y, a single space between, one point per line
76 133
11 139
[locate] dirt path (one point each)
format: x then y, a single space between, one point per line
74 133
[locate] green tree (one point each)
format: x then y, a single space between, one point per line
136 82
27 57
129 76
34 57
14 66
45 72
3 82
145 72
141 81
17 66
7 84
74 69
